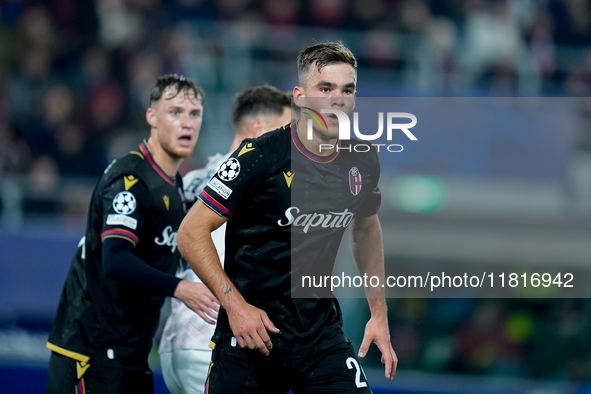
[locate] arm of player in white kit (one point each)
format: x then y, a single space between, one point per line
368 252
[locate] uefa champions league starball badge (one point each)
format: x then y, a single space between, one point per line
229 170
124 203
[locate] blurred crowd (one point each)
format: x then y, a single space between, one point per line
543 338
75 74
74 86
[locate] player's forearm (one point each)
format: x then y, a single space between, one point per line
368 253
196 245
199 251
119 263
378 308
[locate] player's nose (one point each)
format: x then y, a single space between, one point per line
336 98
186 120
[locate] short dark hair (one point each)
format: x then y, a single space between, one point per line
263 99
179 82
322 55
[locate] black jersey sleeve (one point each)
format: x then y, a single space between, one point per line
371 204
125 203
236 177
121 264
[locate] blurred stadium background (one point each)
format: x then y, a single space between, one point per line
74 81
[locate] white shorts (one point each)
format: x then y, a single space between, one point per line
185 371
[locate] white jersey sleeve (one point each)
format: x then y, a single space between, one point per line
195 181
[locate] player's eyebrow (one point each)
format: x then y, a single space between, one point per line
350 85
180 109
332 85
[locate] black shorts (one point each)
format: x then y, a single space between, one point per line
67 375
244 371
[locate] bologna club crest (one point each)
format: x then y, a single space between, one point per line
354 181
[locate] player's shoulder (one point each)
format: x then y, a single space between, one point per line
268 148
202 174
276 137
196 180
271 144
131 163
131 168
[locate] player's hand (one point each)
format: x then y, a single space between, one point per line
249 325
376 331
198 297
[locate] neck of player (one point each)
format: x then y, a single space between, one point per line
170 165
313 145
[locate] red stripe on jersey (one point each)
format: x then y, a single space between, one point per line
160 171
120 233
312 156
214 205
81 388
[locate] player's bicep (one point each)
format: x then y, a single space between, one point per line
198 225
362 224
124 203
201 217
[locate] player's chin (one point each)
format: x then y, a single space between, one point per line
181 152
185 153
332 131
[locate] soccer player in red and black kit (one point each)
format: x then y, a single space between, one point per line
124 266
268 191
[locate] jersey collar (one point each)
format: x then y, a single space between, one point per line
310 155
148 155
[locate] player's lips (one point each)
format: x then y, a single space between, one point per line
185 141
333 119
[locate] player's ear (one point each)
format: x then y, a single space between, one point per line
298 94
151 117
256 128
